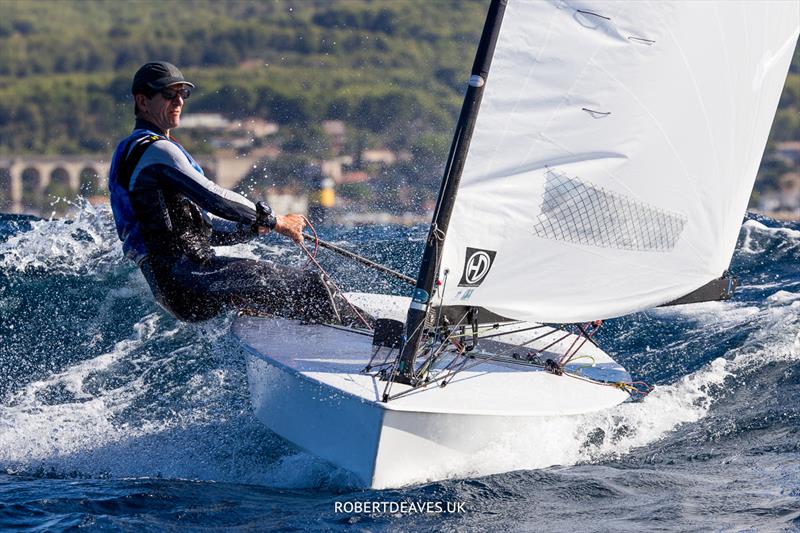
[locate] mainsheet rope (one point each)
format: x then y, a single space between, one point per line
312 258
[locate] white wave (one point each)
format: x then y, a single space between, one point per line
143 421
752 229
82 244
210 434
86 242
301 470
33 430
720 315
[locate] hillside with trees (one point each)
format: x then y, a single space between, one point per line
388 68
394 72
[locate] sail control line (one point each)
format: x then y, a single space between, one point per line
312 258
359 258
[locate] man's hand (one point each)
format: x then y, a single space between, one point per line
291 226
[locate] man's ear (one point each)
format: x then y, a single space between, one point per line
140 99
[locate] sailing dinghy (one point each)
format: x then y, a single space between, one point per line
607 172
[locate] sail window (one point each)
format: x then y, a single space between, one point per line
582 213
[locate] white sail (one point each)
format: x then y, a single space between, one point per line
614 154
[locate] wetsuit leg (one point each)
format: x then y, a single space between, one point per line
177 296
235 283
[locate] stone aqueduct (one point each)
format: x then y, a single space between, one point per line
27 182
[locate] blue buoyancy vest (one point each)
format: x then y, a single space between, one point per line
163 203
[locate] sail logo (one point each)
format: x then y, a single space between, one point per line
476 266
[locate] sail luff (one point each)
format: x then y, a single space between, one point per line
420 301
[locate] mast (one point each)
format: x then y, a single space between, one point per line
421 297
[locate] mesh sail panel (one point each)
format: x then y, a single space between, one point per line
581 213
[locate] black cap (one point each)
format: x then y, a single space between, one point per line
156 75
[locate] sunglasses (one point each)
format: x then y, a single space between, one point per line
170 94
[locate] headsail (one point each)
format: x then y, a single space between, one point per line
614 154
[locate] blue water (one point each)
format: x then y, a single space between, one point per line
115 416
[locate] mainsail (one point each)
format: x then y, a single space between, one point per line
614 154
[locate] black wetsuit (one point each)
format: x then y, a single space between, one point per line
169 215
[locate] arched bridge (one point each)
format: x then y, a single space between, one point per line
25 182
28 183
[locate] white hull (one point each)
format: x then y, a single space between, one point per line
306 385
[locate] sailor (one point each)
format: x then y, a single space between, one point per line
169 216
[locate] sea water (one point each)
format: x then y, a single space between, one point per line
113 415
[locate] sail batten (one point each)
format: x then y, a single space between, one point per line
614 154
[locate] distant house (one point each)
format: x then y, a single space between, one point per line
204 121
253 127
380 155
334 128
785 200
336 131
356 176
257 127
283 202
788 152
332 168
789 185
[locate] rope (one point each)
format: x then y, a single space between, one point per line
312 259
567 357
316 242
637 389
361 259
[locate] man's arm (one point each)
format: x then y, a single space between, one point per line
165 165
226 232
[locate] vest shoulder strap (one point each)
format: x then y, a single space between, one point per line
132 159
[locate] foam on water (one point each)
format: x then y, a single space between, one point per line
35 429
171 399
84 243
753 232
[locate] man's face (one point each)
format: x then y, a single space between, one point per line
162 111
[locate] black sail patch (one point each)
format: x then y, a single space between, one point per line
477 264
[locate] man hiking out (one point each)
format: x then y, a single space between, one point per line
169 216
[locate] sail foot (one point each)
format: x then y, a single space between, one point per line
716 290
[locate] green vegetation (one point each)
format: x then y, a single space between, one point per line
394 71
786 127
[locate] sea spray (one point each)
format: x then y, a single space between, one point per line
100 383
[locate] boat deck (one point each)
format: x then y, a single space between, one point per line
336 358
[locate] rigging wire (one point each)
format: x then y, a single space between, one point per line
586 336
460 362
463 360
